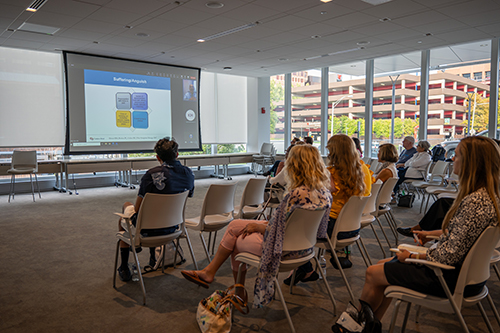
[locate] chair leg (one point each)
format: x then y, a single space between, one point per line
362 251
378 240
213 243
291 282
38 186
334 254
136 259
191 250
493 306
323 276
12 181
485 317
383 231
32 189
369 263
422 202
205 246
116 263
282 299
407 313
394 316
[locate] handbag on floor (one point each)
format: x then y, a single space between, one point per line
405 200
214 314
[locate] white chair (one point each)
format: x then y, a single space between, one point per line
157 211
433 191
300 234
383 208
367 218
475 269
252 199
374 167
436 178
265 157
23 163
349 219
216 213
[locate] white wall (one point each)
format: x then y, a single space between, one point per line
258 90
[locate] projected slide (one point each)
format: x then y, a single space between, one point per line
123 107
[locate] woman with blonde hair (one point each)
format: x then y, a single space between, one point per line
477 164
307 182
388 156
349 176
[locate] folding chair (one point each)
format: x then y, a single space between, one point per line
23 163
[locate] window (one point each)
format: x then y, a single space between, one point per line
478 76
466 75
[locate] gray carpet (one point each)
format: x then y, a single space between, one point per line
57 267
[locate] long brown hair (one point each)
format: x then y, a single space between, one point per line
343 156
305 167
480 167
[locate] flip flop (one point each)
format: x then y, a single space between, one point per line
192 276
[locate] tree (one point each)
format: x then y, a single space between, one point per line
277 95
345 125
481 113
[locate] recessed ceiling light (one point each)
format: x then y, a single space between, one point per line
325 1
214 4
142 34
282 59
128 27
38 28
323 12
228 32
95 42
428 34
315 36
201 40
227 68
419 41
376 2
363 42
385 19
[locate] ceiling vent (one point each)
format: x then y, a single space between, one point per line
376 2
36 5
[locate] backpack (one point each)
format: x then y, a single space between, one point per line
438 153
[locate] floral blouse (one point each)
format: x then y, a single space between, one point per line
272 248
475 213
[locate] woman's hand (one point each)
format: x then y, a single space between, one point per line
253 227
422 235
403 255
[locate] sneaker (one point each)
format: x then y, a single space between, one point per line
344 262
405 232
125 274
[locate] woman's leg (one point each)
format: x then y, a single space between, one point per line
373 290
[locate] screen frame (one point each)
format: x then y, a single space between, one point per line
67 149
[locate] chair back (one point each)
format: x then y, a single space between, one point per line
367 160
219 199
253 194
266 149
384 196
476 266
349 218
301 229
439 170
24 159
370 204
160 211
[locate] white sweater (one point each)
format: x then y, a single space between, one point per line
417 163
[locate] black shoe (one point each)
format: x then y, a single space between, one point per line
299 276
344 262
152 262
405 232
137 249
366 315
125 274
313 277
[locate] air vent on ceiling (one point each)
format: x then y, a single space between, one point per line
37 28
376 2
36 5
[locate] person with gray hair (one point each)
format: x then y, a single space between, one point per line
416 164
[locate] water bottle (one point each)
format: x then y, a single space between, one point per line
135 273
322 264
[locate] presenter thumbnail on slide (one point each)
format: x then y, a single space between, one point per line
189 88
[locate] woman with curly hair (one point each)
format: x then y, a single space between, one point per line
348 176
307 185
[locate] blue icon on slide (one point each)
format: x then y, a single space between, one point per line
140 119
140 101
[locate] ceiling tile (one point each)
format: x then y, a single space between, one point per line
251 13
139 8
426 17
160 25
330 11
97 26
72 8
185 15
287 23
395 9
352 20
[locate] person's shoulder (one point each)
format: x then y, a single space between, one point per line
155 169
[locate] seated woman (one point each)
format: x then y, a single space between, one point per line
307 181
349 176
416 165
388 156
477 163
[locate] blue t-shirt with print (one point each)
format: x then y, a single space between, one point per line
168 178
